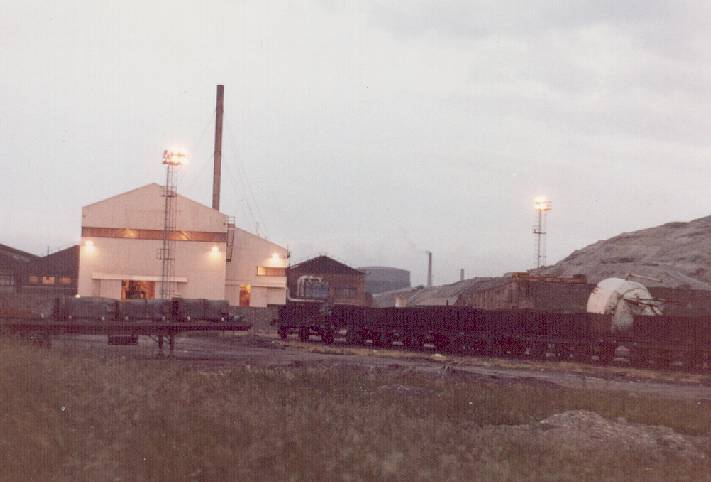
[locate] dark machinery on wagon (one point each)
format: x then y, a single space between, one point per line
627 323
124 321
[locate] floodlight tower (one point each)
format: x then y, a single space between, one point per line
542 206
172 158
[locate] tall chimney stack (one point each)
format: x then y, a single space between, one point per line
217 157
429 269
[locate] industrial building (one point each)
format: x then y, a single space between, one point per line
53 274
12 263
526 291
379 279
122 251
343 284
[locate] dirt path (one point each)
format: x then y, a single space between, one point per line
212 352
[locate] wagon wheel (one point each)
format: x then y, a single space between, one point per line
706 360
414 342
538 350
517 349
606 353
487 347
481 346
639 357
693 360
662 358
382 339
353 337
459 345
327 337
582 352
562 351
441 342
386 339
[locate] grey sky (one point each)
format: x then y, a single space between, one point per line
372 131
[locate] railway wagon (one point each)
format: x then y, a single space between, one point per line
454 328
177 309
305 318
108 310
661 340
657 341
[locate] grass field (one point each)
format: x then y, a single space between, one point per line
83 416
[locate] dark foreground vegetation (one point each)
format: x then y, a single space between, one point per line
85 416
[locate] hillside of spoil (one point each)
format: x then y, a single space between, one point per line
678 254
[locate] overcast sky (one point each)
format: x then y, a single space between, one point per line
371 131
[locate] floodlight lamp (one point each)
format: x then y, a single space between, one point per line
541 203
89 246
175 157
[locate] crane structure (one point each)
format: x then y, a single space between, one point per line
171 159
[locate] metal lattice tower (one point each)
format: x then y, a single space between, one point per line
171 159
542 206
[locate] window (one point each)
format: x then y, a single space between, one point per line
349 293
33 279
47 280
7 280
65 280
267 271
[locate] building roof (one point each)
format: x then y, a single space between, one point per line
63 262
11 257
143 208
325 265
17 254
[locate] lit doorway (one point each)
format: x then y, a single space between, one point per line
138 290
245 292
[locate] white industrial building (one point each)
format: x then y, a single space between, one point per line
121 243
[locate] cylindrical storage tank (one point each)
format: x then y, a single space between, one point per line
623 299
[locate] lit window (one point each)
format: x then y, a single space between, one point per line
268 271
47 280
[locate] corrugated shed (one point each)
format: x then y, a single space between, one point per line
434 296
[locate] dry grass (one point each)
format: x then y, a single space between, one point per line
69 416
